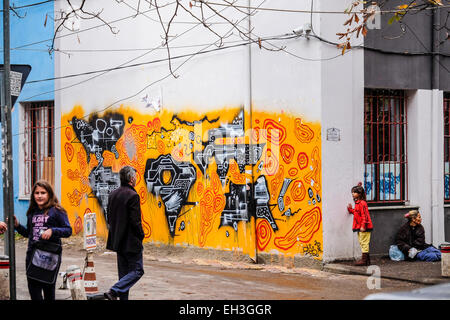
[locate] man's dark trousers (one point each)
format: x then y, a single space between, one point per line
131 269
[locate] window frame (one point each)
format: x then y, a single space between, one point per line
32 167
386 126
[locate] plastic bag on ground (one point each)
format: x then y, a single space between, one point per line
395 254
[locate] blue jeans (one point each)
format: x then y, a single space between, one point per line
131 269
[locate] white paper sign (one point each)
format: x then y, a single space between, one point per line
16 83
333 134
90 231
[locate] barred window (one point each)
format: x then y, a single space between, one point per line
446 147
385 156
38 144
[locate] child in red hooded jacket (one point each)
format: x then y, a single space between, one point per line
361 223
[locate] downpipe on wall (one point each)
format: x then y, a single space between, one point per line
8 200
436 134
253 255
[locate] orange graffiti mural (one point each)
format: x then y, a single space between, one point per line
302 160
287 153
211 204
69 150
218 162
302 231
298 191
264 234
313 177
303 132
274 131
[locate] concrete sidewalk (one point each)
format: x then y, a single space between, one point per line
428 273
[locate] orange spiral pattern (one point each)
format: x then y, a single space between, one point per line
302 231
236 176
274 132
160 147
302 131
263 234
211 204
293 172
314 174
68 133
287 153
302 160
298 191
271 163
69 151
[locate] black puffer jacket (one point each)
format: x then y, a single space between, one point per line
408 237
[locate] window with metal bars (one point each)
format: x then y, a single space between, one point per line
39 150
385 156
446 147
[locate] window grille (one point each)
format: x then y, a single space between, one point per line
38 143
385 148
446 147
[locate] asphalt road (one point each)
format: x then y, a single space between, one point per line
200 278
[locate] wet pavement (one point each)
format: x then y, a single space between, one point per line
421 272
197 274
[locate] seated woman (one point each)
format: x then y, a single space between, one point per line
412 236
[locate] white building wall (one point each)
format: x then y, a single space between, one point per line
309 77
219 72
342 101
419 154
425 160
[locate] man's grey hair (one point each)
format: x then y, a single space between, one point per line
126 174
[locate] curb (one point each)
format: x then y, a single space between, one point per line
345 269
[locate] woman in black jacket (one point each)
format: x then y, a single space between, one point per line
411 234
47 223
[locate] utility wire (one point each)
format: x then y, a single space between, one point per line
148 85
175 22
28 5
425 47
318 12
125 65
121 65
87 29
283 37
137 64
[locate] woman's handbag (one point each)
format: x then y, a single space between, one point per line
45 261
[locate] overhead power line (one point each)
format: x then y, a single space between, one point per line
315 11
28 5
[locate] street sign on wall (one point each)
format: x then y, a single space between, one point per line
18 76
90 231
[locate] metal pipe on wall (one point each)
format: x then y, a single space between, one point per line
436 134
250 109
8 197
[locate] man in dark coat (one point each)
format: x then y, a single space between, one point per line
125 234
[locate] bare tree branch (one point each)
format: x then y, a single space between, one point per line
357 23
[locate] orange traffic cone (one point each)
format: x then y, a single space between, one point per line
90 280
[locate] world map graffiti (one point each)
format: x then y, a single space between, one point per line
237 176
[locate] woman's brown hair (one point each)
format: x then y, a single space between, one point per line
412 215
52 199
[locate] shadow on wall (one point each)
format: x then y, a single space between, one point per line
386 223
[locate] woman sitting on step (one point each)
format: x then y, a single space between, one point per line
411 240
